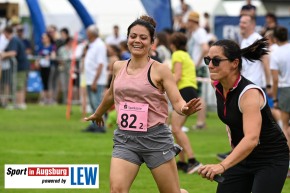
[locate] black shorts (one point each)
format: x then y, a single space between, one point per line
188 93
256 178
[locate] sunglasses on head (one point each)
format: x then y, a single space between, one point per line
215 61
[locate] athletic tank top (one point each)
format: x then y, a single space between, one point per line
138 88
272 142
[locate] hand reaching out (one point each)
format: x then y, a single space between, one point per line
191 107
96 119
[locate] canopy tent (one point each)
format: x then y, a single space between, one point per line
39 23
153 7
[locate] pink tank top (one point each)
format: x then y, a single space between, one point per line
137 89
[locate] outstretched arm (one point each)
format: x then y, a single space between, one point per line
108 100
179 105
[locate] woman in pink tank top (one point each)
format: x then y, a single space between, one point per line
138 91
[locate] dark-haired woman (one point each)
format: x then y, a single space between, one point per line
138 91
259 160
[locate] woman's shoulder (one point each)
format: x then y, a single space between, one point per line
119 64
160 67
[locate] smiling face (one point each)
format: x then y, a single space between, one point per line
139 41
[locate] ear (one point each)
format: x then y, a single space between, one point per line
236 63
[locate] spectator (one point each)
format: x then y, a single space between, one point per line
54 35
57 42
115 38
180 7
272 46
184 75
280 67
197 48
4 72
114 54
270 23
211 38
16 48
46 54
257 71
26 41
64 61
125 54
162 47
248 9
83 89
95 66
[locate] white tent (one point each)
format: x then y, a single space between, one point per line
105 13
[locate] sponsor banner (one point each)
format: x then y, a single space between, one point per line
51 176
227 27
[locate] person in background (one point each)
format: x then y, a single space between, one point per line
272 46
183 70
256 71
270 23
162 47
197 47
57 42
116 38
64 54
95 68
259 159
125 54
248 9
83 89
114 54
80 52
16 48
26 41
138 92
211 38
46 54
4 72
52 31
280 68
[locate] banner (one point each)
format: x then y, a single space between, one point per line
227 27
51 176
160 11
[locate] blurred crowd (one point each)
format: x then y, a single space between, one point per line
95 54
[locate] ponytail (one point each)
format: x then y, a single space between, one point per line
255 51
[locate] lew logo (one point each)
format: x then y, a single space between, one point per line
51 176
83 175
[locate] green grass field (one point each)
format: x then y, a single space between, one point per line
42 135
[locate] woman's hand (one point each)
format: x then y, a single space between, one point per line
95 119
210 170
191 107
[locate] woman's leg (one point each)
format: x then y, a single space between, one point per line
122 175
177 122
170 184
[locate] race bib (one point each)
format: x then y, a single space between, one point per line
133 116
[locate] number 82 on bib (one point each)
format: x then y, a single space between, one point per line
133 116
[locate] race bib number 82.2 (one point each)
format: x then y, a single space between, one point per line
133 116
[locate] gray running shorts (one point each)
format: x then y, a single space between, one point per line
284 98
154 147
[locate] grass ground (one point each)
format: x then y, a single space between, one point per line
42 135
